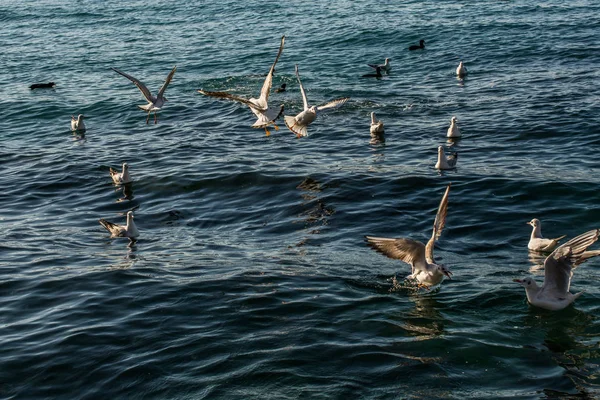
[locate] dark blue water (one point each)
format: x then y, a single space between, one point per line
251 278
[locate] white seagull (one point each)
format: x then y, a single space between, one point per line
122 177
461 70
260 107
537 242
454 130
558 270
77 124
376 126
425 272
300 122
443 162
154 103
129 231
385 66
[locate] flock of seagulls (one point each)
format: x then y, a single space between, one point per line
554 294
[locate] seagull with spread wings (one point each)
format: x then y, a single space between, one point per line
260 107
558 270
300 122
425 271
154 103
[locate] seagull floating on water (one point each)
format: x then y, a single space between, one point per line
558 270
129 231
77 124
300 122
376 126
420 46
537 242
385 66
266 115
461 70
154 103
425 271
443 162
122 177
454 130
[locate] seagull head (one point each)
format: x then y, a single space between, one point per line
81 116
441 150
313 109
125 166
453 120
444 270
129 215
526 283
534 222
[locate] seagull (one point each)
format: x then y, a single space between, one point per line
454 130
266 115
299 123
461 70
419 47
130 230
443 162
537 241
377 74
424 270
385 66
154 103
121 177
376 126
77 124
558 270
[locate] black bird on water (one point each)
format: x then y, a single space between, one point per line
419 47
281 89
42 85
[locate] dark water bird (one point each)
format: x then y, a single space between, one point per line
281 88
418 47
377 74
48 85
558 270
425 272
154 103
265 115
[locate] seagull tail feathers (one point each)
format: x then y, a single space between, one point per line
294 126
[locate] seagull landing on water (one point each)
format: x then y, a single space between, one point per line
129 231
558 270
154 103
376 126
461 70
454 130
383 67
121 178
425 271
77 124
260 107
537 242
444 162
300 122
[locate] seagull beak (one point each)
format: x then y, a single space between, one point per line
517 280
448 274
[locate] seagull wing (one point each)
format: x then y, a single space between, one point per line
558 265
333 104
229 96
266 89
302 89
375 66
137 83
410 251
161 92
438 225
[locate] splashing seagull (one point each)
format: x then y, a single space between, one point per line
461 70
376 126
443 162
266 115
122 177
425 272
154 103
77 124
537 242
385 66
454 130
129 231
300 122
558 270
